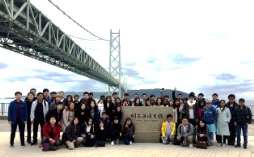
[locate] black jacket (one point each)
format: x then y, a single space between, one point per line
70 133
83 129
56 114
232 110
100 134
117 114
186 111
29 106
82 115
109 109
115 128
242 116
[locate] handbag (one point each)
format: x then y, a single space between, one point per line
201 145
46 146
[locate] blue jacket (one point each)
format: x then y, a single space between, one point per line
209 115
12 112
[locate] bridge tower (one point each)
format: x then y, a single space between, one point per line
115 63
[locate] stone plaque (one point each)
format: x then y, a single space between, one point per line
147 121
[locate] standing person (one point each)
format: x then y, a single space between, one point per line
201 105
148 102
53 96
72 134
85 99
51 132
39 110
242 117
115 131
57 113
232 129
29 101
201 98
152 99
128 131
190 109
33 90
223 118
158 102
47 96
143 100
126 97
17 116
137 102
185 133
68 115
68 101
114 96
94 112
179 96
108 105
215 101
135 95
101 106
77 102
62 99
118 113
90 95
82 113
168 130
55 102
181 112
209 117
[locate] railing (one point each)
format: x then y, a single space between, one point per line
4 109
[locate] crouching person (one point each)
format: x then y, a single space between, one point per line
185 133
87 132
128 131
51 133
168 130
202 133
72 133
115 131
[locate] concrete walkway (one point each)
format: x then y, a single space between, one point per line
137 149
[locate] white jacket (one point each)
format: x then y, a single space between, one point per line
45 109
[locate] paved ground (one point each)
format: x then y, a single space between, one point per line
137 149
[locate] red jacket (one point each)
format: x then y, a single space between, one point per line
56 131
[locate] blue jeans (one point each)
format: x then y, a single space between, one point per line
45 140
127 139
245 133
211 135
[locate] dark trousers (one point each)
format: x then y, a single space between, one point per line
28 125
21 131
193 122
245 134
114 136
232 130
35 130
57 142
221 139
127 138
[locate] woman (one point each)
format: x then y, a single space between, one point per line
94 112
68 115
159 102
118 102
223 118
108 105
137 102
118 113
69 100
128 131
201 105
125 102
101 106
87 132
100 134
176 112
202 132
72 134
51 132
181 110
82 113
148 102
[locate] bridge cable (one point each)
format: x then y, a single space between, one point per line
76 21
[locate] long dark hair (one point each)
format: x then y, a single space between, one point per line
201 128
128 118
156 102
224 103
95 106
72 122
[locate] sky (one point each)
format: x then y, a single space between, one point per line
200 46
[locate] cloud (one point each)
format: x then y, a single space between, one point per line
181 59
3 66
225 76
221 35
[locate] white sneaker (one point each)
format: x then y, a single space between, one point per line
170 143
223 145
117 141
191 145
219 145
130 142
112 143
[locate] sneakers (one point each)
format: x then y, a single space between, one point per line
223 145
130 143
219 145
191 145
184 142
170 143
112 143
237 146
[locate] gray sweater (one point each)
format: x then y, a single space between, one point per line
180 130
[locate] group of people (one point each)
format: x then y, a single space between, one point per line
89 122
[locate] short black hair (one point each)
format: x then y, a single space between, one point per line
85 93
32 89
201 94
231 96
166 96
143 94
115 93
241 100
180 94
152 95
215 94
76 96
45 90
30 93
91 93
52 93
169 115
102 96
104 113
18 92
60 103
61 92
126 94
40 93
135 94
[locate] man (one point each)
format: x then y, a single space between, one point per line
56 112
209 117
17 116
53 96
215 101
114 96
39 110
152 100
201 98
76 102
90 95
231 105
179 96
185 133
85 99
61 93
126 97
168 130
33 90
30 99
143 100
242 117
190 109
46 96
